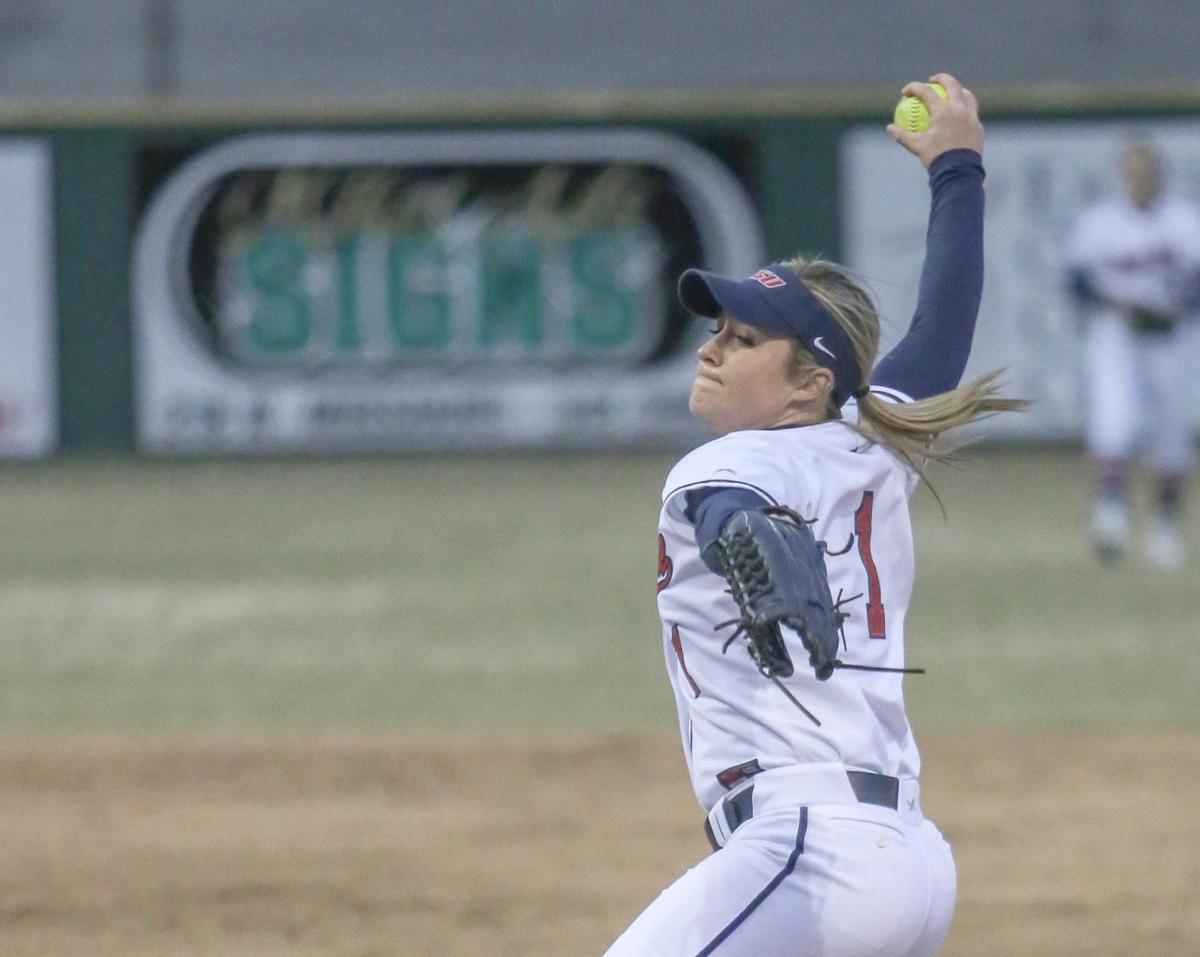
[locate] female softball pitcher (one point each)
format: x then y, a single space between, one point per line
809 777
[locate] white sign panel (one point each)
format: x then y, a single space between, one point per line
28 386
1040 176
341 292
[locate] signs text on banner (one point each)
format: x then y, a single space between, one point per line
435 290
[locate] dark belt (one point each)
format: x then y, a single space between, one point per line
868 787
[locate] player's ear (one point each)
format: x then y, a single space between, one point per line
816 386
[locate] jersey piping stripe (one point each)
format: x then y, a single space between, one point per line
723 482
766 891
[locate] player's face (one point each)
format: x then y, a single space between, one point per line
745 381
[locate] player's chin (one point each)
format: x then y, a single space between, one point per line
705 403
701 396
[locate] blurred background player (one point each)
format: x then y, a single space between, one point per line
1133 264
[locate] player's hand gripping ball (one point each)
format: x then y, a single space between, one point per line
912 115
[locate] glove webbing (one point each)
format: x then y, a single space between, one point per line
750 579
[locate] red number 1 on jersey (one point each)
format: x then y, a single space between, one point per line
876 627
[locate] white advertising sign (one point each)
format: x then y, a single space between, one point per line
1040 176
28 380
344 292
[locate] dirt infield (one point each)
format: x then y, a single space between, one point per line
1066 843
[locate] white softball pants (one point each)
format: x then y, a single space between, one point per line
1138 390
820 880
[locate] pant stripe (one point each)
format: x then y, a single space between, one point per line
766 891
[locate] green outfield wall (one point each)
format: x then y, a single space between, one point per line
110 165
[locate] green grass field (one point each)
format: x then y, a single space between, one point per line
519 591
333 708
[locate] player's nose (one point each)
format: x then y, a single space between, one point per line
709 352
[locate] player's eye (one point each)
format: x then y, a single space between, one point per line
743 339
714 328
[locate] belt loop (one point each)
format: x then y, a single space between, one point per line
727 815
739 808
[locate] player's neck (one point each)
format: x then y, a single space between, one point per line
1143 202
808 415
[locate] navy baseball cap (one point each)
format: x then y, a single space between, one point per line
779 303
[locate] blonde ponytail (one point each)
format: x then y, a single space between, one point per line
910 429
907 429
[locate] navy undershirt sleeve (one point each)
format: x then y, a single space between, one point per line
933 353
708 508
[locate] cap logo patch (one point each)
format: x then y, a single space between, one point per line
768 279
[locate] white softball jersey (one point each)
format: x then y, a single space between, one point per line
807 865
1142 256
857 495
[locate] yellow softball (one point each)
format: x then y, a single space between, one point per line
911 113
